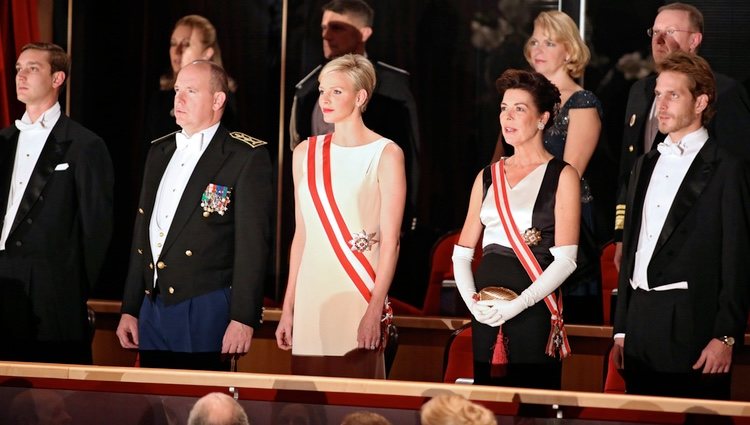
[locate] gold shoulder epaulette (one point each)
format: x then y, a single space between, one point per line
620 217
164 137
250 140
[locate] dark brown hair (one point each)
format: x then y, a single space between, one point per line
699 74
58 59
357 8
545 95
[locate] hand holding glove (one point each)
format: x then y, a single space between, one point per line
462 258
551 279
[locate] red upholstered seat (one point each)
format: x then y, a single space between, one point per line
458 360
613 382
609 279
441 269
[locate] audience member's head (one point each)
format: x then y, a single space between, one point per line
345 27
298 414
217 409
365 418
678 26
39 407
451 409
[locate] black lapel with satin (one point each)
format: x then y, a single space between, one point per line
696 179
53 152
6 165
643 175
209 164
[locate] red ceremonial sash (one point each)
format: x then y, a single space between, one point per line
529 262
356 265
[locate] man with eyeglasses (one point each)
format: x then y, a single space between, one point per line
678 26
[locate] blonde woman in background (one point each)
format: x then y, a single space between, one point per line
193 38
557 51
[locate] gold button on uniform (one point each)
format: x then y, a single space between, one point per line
631 148
161 265
171 290
151 266
189 253
140 251
148 292
140 210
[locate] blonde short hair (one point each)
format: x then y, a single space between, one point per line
358 69
561 28
452 409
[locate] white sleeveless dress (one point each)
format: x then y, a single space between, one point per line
328 306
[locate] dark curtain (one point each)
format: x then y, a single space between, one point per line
19 24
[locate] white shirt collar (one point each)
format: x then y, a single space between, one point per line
46 121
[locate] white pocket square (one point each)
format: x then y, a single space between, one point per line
61 167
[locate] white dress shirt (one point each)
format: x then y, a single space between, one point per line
31 140
180 168
670 170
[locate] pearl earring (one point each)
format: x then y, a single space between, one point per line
540 126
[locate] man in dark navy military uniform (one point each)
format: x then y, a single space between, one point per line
194 290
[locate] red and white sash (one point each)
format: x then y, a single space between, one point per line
529 261
355 263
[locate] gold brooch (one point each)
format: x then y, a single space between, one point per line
532 236
362 241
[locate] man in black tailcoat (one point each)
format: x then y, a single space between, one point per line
683 291
56 183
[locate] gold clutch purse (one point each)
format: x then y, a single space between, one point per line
496 293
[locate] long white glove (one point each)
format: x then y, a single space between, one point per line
551 279
462 258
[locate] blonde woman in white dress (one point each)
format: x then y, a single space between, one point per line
350 189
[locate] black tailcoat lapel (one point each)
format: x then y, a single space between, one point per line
52 154
696 179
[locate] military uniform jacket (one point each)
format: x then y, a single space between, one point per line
705 241
60 234
205 251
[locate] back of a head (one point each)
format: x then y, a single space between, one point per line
452 409
217 409
352 8
365 418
